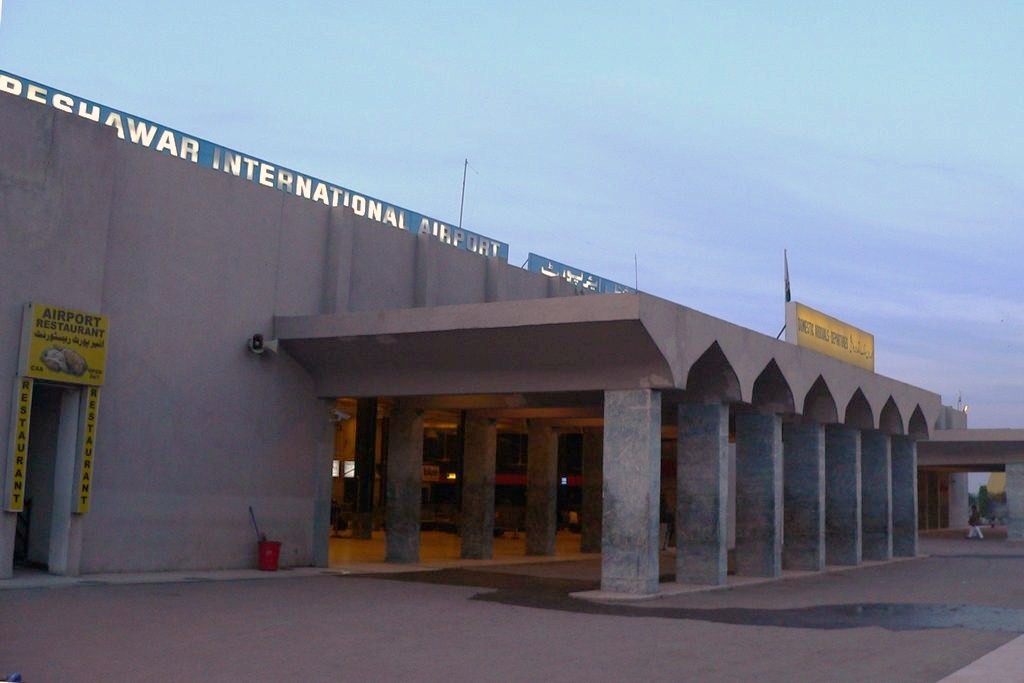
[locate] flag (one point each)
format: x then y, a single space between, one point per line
785 261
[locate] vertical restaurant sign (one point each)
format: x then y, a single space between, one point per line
814 330
86 448
173 143
17 456
63 345
536 263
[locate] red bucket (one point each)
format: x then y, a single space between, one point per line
270 552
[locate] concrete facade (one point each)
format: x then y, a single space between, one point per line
188 263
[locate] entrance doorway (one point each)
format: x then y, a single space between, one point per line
46 532
32 541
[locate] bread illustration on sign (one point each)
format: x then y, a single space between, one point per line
60 359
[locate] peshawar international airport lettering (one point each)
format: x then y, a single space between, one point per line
209 155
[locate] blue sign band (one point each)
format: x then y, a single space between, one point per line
585 281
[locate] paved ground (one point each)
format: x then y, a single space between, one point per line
909 621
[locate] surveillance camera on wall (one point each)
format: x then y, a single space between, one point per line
338 415
257 344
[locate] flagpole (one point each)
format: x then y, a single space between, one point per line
789 297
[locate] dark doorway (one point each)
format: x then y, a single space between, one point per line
32 542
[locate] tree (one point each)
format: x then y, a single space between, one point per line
984 501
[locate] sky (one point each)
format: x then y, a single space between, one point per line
880 143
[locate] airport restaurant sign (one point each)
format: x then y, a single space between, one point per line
61 346
159 138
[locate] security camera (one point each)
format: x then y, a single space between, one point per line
257 344
338 415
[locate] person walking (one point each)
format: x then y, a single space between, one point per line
975 523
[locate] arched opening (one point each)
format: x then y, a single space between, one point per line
712 378
858 412
889 420
819 405
918 425
772 392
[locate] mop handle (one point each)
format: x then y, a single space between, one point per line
259 536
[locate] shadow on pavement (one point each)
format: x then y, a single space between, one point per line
550 593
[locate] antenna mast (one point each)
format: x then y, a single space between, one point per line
462 202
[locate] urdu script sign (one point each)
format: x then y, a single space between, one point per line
822 333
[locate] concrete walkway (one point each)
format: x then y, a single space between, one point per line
921 620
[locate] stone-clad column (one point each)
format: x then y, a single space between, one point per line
758 494
803 496
541 488
702 493
1015 501
904 496
478 489
842 495
404 482
876 495
590 505
322 484
366 458
632 491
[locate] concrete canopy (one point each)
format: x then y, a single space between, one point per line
583 343
973 450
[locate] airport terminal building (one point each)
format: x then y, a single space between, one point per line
138 264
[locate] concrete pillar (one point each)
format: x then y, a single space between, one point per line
322 484
803 495
1015 501
541 488
631 492
842 495
478 489
758 494
959 501
904 496
590 505
702 494
876 495
404 483
366 466
934 519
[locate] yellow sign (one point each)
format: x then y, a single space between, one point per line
814 330
17 459
87 448
63 345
